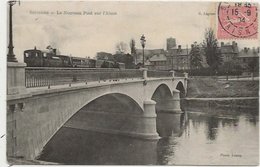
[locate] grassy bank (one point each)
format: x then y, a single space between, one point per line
210 88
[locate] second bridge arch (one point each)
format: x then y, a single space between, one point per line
169 113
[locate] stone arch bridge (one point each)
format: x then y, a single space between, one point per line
35 114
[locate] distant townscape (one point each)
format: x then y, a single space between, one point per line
230 59
234 60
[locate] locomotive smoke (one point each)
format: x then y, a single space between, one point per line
54 45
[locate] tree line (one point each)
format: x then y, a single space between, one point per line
121 56
214 58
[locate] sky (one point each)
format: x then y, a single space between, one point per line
39 24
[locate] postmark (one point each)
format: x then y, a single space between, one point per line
237 20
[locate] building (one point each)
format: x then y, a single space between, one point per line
171 59
148 53
229 52
104 56
158 62
160 59
178 59
170 43
247 56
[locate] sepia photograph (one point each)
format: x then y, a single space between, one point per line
130 83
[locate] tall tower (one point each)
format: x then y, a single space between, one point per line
171 43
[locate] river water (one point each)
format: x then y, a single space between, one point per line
207 138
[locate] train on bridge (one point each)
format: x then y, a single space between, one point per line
49 58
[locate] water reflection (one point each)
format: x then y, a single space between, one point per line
72 146
212 128
170 124
198 139
165 150
253 120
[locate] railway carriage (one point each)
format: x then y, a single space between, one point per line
49 58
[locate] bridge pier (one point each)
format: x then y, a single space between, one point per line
186 75
148 126
169 115
171 105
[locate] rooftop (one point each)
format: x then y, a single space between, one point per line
158 57
228 49
149 51
179 52
247 52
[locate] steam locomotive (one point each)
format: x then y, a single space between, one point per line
49 58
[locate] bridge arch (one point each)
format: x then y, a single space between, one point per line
180 87
114 107
161 95
109 113
161 92
111 102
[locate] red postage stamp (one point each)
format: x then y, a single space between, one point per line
237 20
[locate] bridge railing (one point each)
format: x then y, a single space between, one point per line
179 74
48 76
158 74
38 76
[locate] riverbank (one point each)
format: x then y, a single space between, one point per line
213 88
220 106
211 93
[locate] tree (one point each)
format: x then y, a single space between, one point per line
253 65
133 49
212 54
121 48
231 68
195 58
127 59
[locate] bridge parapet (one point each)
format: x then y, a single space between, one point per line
15 78
180 74
42 76
159 74
38 76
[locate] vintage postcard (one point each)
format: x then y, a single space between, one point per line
132 83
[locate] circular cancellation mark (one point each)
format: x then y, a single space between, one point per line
237 19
